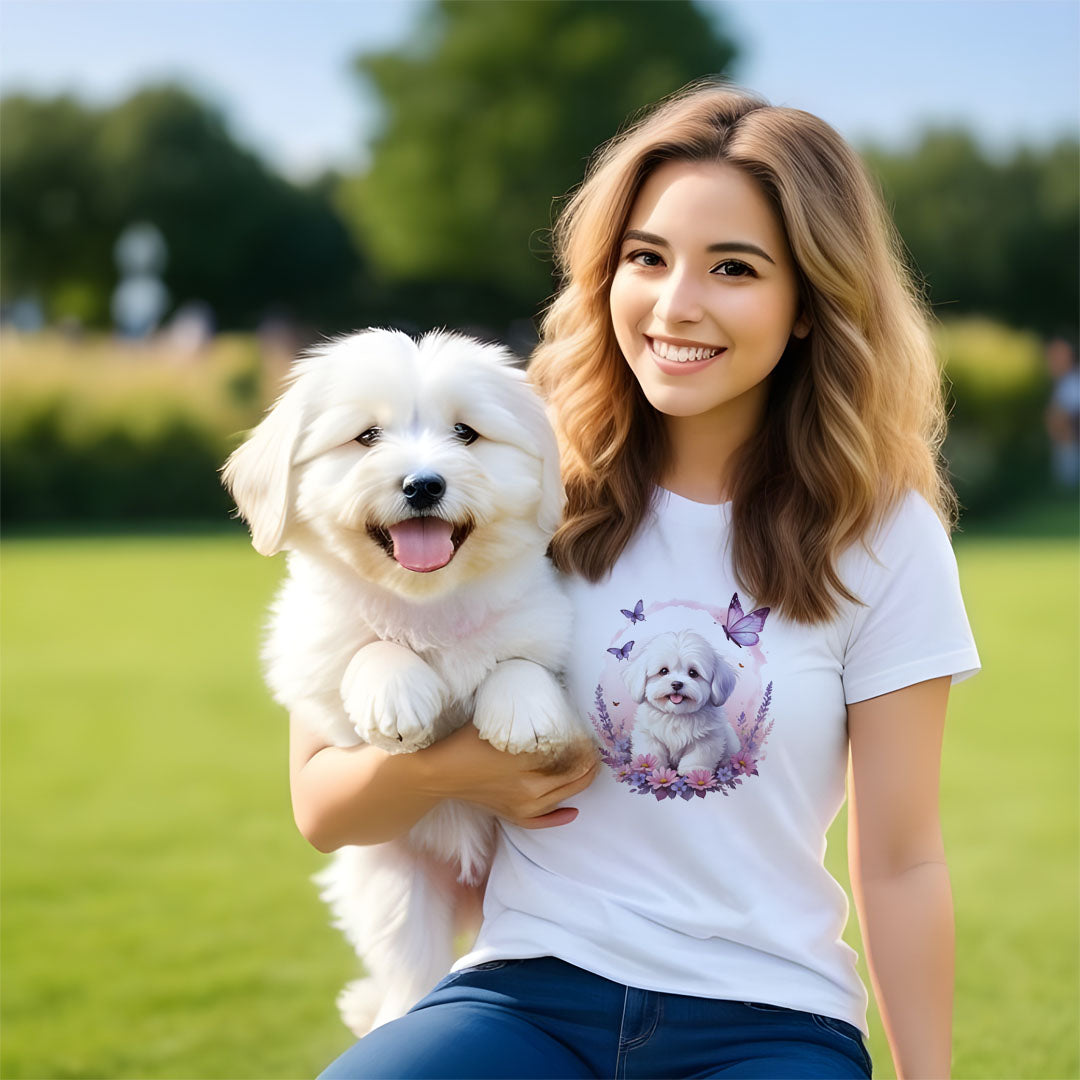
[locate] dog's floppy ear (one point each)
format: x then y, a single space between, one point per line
722 682
532 415
258 472
637 676
554 497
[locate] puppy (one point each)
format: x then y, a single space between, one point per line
680 682
415 486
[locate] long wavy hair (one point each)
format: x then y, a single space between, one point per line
855 414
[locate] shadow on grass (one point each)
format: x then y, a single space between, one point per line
1051 517
149 527
1054 517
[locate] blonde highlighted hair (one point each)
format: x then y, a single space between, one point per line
855 415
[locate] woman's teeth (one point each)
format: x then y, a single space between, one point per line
682 354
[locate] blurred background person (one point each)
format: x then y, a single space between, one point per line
1063 413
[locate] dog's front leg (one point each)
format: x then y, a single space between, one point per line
645 743
520 706
394 699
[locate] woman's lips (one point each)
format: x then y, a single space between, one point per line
681 367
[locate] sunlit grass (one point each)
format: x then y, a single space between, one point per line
157 917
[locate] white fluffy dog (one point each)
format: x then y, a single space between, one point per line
416 487
680 684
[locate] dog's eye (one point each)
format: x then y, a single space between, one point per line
372 435
694 674
663 671
466 433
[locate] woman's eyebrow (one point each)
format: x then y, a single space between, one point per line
725 248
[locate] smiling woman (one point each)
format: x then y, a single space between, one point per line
680 311
762 583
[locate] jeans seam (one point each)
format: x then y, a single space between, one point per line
619 1039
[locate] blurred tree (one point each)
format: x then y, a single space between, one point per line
239 237
53 240
491 111
998 237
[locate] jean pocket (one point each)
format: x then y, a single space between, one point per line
846 1031
761 1006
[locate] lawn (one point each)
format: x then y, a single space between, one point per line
157 916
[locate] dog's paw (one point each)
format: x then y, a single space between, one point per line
520 707
394 699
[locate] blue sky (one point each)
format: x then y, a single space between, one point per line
280 69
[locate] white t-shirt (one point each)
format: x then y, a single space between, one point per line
695 865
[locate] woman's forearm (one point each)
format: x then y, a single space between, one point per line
363 795
359 795
909 937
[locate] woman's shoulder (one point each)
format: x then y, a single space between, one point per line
909 519
907 546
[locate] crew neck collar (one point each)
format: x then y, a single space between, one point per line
681 500
682 513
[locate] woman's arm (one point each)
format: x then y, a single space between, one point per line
364 795
899 877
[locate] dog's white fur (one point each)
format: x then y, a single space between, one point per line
365 650
693 733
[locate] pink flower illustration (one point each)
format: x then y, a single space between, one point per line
662 777
700 779
743 762
645 763
623 772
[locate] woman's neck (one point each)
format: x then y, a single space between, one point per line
700 448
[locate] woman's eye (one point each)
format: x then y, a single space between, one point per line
645 258
466 433
372 435
734 268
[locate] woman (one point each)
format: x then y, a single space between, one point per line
751 415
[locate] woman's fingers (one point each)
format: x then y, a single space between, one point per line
563 816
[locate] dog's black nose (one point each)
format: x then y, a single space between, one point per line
422 490
676 686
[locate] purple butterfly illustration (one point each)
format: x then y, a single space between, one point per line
638 614
743 629
624 652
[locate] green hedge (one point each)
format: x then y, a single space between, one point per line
997 447
98 430
95 429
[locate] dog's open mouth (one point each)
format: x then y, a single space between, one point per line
675 699
422 544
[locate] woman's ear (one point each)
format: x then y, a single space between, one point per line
802 325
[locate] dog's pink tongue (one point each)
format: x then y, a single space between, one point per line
422 544
675 698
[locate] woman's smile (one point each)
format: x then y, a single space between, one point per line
682 359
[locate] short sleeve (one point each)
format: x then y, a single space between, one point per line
913 626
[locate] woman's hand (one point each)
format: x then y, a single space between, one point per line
523 789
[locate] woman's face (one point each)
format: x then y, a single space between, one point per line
705 295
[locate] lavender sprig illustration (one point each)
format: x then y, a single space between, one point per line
616 749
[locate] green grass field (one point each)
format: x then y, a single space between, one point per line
157 916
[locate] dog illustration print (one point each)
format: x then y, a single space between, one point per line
680 684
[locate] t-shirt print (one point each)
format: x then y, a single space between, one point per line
679 707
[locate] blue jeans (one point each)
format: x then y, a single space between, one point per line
543 1018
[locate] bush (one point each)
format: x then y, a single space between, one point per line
114 431
998 390
111 431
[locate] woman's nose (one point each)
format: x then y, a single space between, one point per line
679 299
